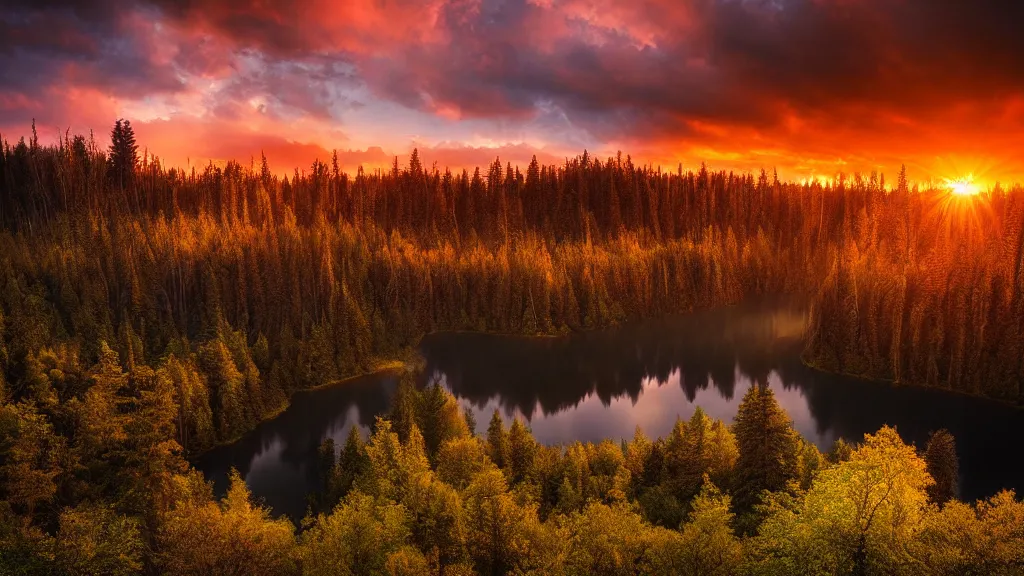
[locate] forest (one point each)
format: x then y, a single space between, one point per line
149 313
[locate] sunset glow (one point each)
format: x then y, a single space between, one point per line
738 85
964 186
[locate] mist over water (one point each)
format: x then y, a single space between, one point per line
604 384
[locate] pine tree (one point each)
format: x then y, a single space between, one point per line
497 441
327 463
123 154
404 407
940 456
522 449
901 182
415 166
467 415
768 448
28 450
352 461
226 389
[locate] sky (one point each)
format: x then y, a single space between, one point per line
810 87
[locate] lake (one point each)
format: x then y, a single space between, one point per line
603 384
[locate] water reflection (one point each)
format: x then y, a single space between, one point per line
603 384
546 376
278 458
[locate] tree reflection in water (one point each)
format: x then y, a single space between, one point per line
602 384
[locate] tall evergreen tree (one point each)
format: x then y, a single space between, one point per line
404 407
123 155
467 415
901 182
497 441
522 449
352 461
768 448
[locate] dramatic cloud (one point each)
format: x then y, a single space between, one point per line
810 86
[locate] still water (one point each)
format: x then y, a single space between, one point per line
604 384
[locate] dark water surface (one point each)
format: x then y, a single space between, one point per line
604 384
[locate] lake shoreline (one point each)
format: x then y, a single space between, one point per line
380 368
603 383
408 359
902 384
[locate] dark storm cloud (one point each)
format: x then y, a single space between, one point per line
646 70
734 62
96 44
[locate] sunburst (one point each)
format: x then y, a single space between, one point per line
963 186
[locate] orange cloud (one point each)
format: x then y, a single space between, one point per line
809 86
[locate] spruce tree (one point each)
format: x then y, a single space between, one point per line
404 408
123 154
940 455
901 183
522 449
469 417
431 411
328 473
497 441
768 448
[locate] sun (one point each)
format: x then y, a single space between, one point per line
963 186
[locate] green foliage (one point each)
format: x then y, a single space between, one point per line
965 540
522 448
840 452
24 550
194 420
440 417
609 540
470 418
497 441
439 521
29 458
226 385
95 541
341 476
503 536
404 407
861 516
385 457
358 537
811 460
696 449
708 543
407 561
460 459
705 545
230 537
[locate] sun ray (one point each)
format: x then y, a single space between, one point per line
963 186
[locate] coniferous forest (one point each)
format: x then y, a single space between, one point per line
149 313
